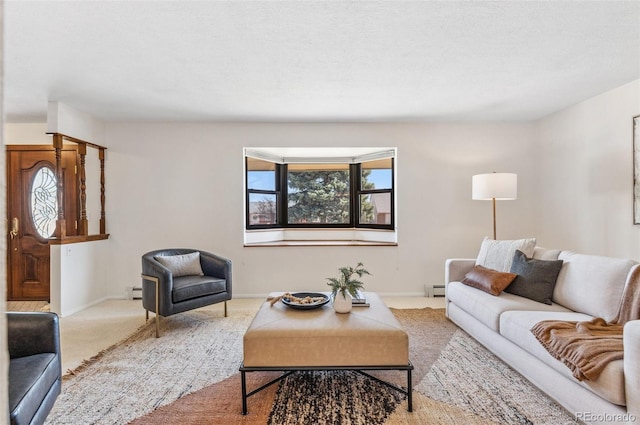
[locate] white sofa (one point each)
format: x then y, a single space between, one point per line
587 286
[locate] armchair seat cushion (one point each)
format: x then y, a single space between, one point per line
189 287
31 378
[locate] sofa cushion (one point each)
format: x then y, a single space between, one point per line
535 279
516 327
31 379
591 284
182 265
188 287
541 253
490 281
498 254
488 308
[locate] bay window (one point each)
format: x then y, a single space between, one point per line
326 189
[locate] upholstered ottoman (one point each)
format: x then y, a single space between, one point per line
284 339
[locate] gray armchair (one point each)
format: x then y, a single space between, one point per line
178 280
35 368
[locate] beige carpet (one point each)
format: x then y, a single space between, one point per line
190 376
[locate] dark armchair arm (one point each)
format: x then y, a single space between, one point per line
216 266
32 333
152 267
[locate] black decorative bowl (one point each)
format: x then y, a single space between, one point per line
298 306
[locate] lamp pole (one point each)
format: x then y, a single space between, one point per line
494 218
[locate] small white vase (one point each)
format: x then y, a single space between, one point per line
342 303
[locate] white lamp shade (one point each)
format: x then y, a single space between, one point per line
501 186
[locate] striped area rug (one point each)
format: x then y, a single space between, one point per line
190 376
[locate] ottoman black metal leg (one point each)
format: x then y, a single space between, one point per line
409 392
244 392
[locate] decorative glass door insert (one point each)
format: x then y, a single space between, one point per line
44 201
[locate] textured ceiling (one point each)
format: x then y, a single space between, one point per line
315 60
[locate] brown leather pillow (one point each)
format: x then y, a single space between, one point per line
488 280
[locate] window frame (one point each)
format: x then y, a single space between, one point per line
277 192
355 192
359 191
285 210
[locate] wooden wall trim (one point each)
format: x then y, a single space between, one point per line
78 239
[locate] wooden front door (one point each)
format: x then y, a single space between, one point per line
32 211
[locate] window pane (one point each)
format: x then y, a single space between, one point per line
318 193
261 175
375 208
376 174
44 202
262 209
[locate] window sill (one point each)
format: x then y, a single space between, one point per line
320 243
320 237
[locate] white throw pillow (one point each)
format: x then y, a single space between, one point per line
498 255
592 284
182 265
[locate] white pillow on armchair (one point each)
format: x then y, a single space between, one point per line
182 265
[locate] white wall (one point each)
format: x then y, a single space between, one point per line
585 186
27 134
4 351
64 119
78 276
180 185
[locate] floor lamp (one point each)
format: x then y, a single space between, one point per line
494 186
